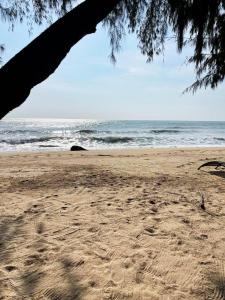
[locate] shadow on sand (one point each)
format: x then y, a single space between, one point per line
216 284
29 270
218 173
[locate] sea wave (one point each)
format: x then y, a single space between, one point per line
219 139
87 131
112 139
159 131
48 146
37 135
92 131
16 131
27 141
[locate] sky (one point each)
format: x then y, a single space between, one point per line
88 86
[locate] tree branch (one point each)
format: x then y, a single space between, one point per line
41 57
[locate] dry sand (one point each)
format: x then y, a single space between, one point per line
112 225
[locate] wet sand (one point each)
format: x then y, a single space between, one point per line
123 224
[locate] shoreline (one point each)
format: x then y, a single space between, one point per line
129 149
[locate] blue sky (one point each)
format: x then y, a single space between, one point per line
87 85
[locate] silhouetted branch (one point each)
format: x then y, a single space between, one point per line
40 58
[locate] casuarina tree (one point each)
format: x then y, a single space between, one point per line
197 23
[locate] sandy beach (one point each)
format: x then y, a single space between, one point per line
121 224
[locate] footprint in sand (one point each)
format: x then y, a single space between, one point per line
129 200
40 228
64 207
127 263
10 268
140 273
150 231
34 260
42 250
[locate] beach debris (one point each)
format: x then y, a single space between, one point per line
202 205
214 163
77 148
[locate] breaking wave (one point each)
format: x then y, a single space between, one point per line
87 131
156 131
27 141
219 139
92 131
112 139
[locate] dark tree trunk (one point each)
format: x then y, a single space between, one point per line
41 57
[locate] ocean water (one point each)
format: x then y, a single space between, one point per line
60 134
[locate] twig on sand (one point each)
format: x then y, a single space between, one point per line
202 205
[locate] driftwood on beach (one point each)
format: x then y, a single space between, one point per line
214 163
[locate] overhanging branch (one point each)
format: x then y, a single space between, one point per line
37 61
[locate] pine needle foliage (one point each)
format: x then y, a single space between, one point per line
199 24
